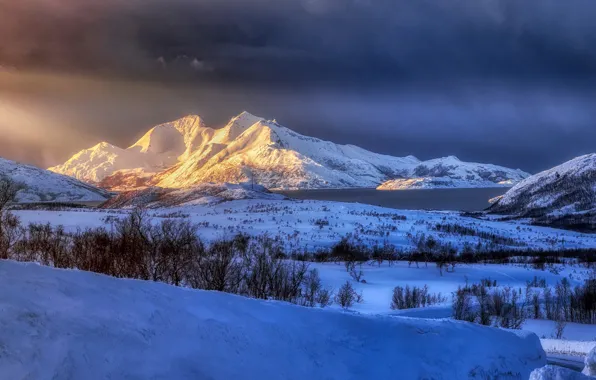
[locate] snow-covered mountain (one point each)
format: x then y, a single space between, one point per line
186 152
564 195
450 172
44 186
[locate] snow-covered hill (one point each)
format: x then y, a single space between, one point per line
60 324
564 195
44 186
185 153
450 172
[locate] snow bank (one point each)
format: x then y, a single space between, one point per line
556 373
70 324
568 347
590 363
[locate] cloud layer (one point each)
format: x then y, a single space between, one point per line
342 41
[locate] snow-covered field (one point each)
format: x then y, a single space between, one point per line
150 313
578 339
59 324
315 224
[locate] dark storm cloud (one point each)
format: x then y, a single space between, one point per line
504 81
341 41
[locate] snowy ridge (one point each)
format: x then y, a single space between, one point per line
73 324
564 195
186 152
475 174
45 186
436 183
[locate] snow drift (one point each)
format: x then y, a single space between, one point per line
45 186
185 153
70 324
557 373
590 362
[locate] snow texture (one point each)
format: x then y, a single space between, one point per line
571 347
45 186
557 373
59 324
185 153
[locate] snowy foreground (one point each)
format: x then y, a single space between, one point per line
58 324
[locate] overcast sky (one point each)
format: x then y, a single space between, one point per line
504 81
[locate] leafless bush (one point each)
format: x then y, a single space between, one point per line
11 234
356 274
8 192
10 227
347 296
462 306
313 292
411 298
560 325
513 314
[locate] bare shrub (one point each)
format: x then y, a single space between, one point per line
356 274
8 192
11 233
347 296
560 325
462 306
411 298
10 229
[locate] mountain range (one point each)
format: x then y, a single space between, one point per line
186 152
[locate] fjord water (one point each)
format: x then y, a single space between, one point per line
418 199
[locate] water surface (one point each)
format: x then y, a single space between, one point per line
427 199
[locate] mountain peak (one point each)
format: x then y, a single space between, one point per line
246 115
239 124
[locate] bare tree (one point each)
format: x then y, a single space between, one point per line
10 228
560 325
8 192
346 296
